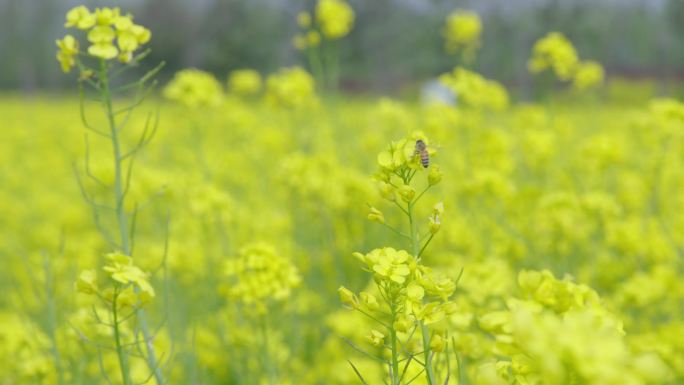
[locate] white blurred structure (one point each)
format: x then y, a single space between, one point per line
433 91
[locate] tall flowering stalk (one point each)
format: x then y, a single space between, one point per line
331 21
113 35
413 299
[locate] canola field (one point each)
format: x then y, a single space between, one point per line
265 232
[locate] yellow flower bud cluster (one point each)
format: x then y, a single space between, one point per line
259 275
462 32
104 27
131 285
291 87
309 37
476 91
333 20
194 88
245 82
556 52
546 338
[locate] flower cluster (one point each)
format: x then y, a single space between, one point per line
245 82
291 87
104 27
556 52
335 18
259 275
476 91
194 88
546 338
310 37
414 291
131 286
462 32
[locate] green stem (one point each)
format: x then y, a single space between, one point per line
121 215
117 341
415 244
395 351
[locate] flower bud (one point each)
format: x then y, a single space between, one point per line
407 193
387 191
86 282
438 209
437 343
435 224
435 175
369 300
376 338
376 215
402 324
347 297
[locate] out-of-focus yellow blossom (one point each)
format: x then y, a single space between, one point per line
313 38
304 19
588 74
376 338
68 49
299 42
474 90
376 215
194 88
462 32
335 18
86 282
556 52
245 82
435 175
291 87
259 275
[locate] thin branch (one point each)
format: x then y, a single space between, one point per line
357 373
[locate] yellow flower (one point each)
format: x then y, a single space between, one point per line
194 88
80 17
335 18
245 82
313 38
101 34
376 338
291 87
369 300
390 264
68 49
106 16
588 74
476 91
407 193
376 215
462 30
304 19
437 343
435 175
86 282
299 42
554 51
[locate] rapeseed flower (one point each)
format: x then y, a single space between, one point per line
335 18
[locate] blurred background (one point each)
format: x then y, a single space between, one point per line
394 45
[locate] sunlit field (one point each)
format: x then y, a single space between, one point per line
264 229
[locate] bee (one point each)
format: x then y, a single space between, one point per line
421 150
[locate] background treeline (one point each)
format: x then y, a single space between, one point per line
394 42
